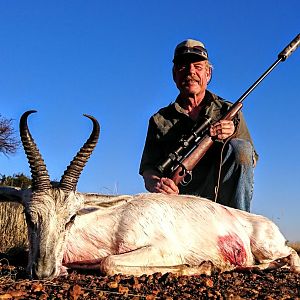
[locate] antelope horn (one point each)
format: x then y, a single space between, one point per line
39 173
70 178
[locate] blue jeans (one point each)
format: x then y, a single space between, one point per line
235 179
236 187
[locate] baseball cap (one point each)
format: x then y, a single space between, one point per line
190 47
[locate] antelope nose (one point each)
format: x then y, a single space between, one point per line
41 273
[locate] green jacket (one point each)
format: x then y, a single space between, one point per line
171 123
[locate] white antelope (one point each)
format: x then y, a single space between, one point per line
139 234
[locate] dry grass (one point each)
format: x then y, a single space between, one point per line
295 245
13 229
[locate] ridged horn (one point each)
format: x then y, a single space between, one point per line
70 178
39 173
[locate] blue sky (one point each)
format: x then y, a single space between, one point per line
113 60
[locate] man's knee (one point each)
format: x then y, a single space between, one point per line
243 151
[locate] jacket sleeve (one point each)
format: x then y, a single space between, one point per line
152 152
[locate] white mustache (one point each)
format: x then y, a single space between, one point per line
190 77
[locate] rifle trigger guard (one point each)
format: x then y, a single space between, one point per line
187 175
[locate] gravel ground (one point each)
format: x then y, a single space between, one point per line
275 284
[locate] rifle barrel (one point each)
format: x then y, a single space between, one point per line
282 56
259 80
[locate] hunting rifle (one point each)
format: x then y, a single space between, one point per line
179 164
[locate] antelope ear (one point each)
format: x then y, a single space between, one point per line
104 201
12 194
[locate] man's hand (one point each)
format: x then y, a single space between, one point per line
222 129
156 184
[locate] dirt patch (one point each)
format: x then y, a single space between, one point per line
276 284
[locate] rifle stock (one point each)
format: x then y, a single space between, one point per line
186 166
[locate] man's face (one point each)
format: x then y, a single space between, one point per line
191 77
